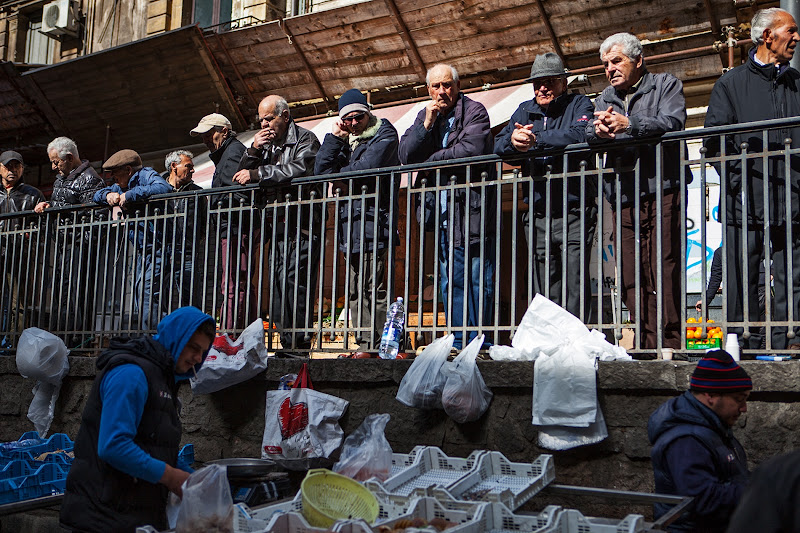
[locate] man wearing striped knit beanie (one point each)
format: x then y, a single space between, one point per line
694 451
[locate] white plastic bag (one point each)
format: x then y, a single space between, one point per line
301 423
231 362
207 505
565 438
465 396
422 385
366 453
42 356
564 389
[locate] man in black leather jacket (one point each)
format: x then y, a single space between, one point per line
75 185
281 152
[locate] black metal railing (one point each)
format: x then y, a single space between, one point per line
300 258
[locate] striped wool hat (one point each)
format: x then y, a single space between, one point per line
718 372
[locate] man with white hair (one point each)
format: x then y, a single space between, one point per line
453 126
185 231
74 266
763 88
641 105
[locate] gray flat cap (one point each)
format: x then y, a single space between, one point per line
547 65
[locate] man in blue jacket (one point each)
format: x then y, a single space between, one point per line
453 126
126 451
552 120
694 451
134 185
360 141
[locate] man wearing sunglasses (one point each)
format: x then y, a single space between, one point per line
552 120
359 141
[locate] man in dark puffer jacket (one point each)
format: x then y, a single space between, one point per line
127 447
361 141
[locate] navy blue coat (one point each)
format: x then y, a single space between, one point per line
695 454
380 151
563 123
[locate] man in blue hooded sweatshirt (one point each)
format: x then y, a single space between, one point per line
127 447
694 451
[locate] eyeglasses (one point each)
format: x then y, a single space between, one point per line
354 118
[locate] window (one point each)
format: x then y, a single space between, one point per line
39 48
208 13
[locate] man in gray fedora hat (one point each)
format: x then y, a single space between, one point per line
553 120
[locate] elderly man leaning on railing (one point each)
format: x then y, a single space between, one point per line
359 140
645 192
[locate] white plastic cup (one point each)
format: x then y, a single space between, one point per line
732 345
666 354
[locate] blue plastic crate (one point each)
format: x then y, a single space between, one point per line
186 457
17 468
58 441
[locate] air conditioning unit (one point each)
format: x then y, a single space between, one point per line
59 18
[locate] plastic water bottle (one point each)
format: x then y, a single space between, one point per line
393 330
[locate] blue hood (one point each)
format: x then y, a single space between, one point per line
175 330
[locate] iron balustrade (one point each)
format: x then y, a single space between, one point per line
88 273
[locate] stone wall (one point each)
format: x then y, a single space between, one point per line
230 423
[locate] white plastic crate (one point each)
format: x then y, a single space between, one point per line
428 467
497 518
496 479
296 523
572 521
429 508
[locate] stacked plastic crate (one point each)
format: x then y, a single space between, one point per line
428 490
31 467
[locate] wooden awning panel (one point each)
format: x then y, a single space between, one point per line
151 92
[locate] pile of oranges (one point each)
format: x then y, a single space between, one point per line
713 332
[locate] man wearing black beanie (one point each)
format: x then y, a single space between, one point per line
694 451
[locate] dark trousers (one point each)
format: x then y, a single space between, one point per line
651 254
239 257
786 290
364 291
561 273
73 285
294 271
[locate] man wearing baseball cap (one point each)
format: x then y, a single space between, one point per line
694 451
552 120
134 185
15 196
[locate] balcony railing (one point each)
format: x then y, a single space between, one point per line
241 254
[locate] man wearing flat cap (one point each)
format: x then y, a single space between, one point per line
359 141
134 185
281 152
15 196
694 450
239 232
552 120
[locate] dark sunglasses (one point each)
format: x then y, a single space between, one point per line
354 118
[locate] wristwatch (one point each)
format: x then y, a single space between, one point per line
629 129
